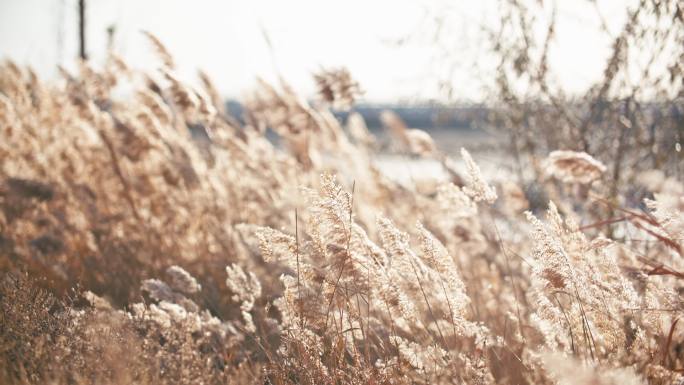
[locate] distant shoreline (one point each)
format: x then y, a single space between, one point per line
426 117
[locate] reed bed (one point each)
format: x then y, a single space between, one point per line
147 236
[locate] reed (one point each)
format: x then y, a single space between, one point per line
134 252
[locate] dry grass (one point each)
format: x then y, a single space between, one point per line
135 252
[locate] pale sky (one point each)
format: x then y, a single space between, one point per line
225 39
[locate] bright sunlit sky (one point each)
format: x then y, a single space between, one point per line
226 39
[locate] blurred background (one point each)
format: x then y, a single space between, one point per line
400 52
528 76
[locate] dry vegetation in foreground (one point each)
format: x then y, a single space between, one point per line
132 252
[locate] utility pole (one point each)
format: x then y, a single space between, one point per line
81 29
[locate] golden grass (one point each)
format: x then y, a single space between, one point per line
133 252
